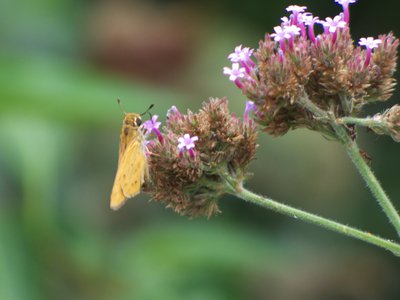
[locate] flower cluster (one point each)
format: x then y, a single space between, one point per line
334 73
195 150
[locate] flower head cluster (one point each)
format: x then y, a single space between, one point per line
185 169
331 69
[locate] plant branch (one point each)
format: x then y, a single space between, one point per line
366 122
236 188
354 153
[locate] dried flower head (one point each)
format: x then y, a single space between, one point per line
390 123
334 72
197 148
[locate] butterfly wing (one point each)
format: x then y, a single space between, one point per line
132 167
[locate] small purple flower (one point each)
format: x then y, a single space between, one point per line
281 56
310 20
369 43
295 9
250 106
292 30
285 21
346 11
187 142
333 24
302 18
344 2
241 55
173 111
280 36
152 126
234 73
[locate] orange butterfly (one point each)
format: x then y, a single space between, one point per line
133 167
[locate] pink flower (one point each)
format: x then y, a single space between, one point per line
235 73
344 2
296 8
296 11
187 142
346 11
250 106
280 36
173 111
285 21
241 55
310 20
369 43
152 126
292 30
333 24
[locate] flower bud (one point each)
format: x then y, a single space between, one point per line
391 120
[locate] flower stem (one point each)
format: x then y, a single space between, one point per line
235 188
376 189
354 153
366 122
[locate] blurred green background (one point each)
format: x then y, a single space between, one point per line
62 66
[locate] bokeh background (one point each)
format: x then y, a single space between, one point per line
64 63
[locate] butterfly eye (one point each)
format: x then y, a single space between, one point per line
138 122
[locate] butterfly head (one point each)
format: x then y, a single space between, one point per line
132 119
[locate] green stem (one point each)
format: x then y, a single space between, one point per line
235 188
354 153
366 122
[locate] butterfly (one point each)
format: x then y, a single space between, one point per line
133 167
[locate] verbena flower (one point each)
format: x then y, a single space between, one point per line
310 20
235 74
250 106
369 43
345 5
281 35
296 10
333 24
292 30
152 126
192 185
241 55
173 111
335 73
285 21
186 142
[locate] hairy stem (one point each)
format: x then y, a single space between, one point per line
354 153
235 188
366 122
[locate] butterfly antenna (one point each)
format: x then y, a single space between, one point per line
147 110
121 106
